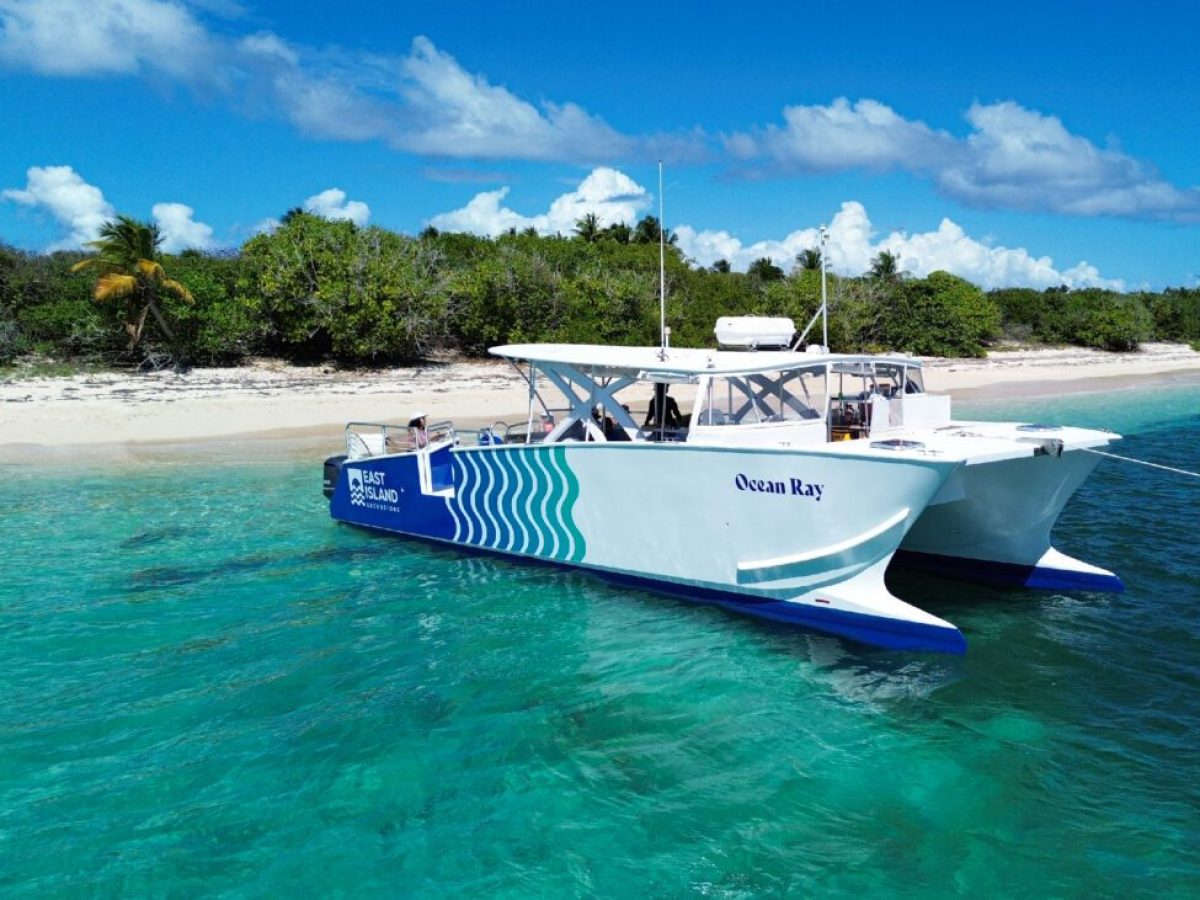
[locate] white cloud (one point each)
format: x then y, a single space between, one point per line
867 135
483 215
852 247
179 231
456 113
80 210
1014 158
268 225
612 196
424 102
79 207
332 204
615 197
78 37
420 102
1020 159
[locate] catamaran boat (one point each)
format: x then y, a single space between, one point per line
774 482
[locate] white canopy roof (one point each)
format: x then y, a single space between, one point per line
681 362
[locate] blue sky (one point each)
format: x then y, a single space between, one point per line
1014 144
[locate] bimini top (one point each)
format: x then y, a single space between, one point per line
684 363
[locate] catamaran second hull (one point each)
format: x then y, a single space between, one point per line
992 523
790 535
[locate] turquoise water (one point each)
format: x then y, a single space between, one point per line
209 687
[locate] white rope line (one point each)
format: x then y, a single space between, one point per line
1142 462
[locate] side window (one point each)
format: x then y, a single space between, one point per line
723 400
768 397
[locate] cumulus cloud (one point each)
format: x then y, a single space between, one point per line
82 37
420 102
867 134
80 210
179 230
332 204
1014 158
616 198
456 113
852 246
612 196
1020 159
78 207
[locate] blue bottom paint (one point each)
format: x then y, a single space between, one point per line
1013 574
892 634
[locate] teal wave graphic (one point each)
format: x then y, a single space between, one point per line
519 501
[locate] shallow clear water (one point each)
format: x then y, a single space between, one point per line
208 686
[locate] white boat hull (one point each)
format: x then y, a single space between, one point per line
783 534
992 523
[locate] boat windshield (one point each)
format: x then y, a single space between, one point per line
886 379
785 396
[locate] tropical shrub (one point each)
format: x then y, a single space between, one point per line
331 288
941 315
1110 321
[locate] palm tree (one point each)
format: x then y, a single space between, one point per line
885 266
619 232
810 259
587 229
647 232
126 252
765 269
722 266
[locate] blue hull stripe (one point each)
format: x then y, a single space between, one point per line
989 572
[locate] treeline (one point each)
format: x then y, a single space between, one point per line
321 290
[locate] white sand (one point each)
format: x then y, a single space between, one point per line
120 410
1054 370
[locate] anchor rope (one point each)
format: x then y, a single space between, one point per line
1141 462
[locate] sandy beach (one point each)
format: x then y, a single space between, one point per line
270 399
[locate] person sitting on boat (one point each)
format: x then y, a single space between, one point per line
606 423
418 437
669 417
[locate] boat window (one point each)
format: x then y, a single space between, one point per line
861 380
786 396
888 380
892 380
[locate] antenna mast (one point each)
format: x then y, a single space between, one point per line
664 334
824 295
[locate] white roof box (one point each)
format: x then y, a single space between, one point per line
754 332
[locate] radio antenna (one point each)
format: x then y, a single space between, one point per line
824 295
663 331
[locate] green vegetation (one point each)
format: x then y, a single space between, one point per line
322 290
130 274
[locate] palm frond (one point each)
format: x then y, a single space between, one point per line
151 269
124 240
114 285
178 289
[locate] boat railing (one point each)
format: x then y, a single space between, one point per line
367 439
503 433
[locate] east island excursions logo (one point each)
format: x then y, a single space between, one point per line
368 489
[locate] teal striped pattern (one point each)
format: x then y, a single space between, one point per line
518 500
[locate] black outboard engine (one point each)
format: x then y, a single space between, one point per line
333 468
